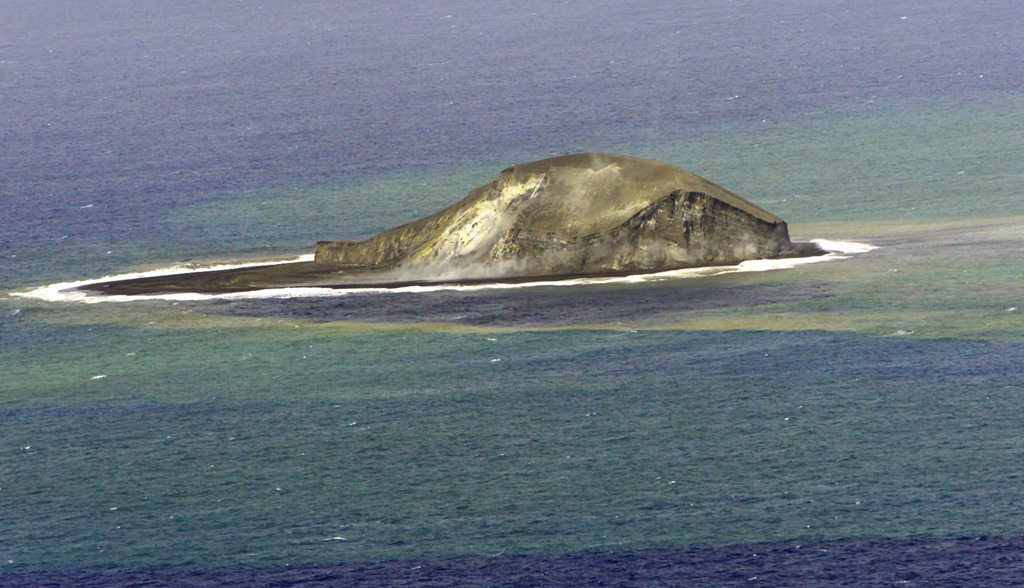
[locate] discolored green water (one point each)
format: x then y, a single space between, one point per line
574 440
872 396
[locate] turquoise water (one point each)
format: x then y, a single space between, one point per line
876 396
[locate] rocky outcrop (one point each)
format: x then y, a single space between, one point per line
579 214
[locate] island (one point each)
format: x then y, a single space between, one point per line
590 214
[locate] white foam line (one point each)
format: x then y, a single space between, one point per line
849 247
70 292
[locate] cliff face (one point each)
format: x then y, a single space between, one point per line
579 214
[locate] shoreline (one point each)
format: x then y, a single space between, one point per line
312 274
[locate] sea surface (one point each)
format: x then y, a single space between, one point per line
853 421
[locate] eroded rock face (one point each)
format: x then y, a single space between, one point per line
579 214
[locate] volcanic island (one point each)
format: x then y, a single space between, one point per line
584 215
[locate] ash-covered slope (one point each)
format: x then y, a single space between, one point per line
579 214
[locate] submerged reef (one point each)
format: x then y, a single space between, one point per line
589 214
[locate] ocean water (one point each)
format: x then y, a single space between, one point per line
870 400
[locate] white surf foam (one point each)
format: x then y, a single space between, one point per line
70 292
841 247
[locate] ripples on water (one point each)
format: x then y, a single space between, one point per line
231 440
642 305
979 561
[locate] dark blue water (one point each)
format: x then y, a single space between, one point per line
976 561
